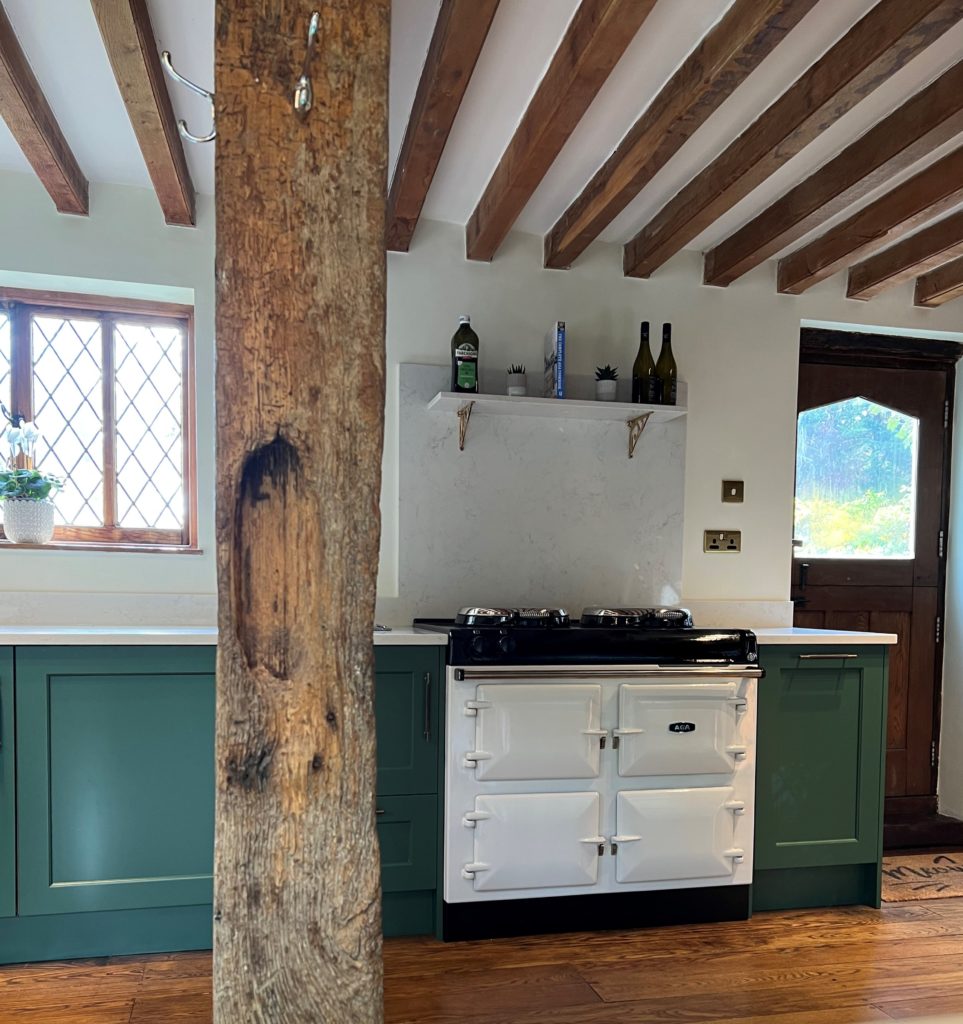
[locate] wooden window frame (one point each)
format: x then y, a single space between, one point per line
21 305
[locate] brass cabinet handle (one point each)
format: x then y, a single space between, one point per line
825 657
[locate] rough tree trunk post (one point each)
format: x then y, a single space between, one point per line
300 391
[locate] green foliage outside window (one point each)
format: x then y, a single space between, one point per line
856 481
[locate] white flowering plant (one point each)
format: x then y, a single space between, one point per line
19 479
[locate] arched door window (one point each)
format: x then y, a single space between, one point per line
856 464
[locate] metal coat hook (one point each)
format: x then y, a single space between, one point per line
209 96
304 92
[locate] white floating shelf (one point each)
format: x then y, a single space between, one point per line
635 416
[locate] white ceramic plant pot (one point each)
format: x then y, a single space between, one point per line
605 390
28 522
517 384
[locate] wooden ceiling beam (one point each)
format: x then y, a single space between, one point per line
940 285
927 120
32 123
733 48
460 33
913 256
597 36
877 46
926 195
129 40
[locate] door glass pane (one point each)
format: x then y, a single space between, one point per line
4 365
856 481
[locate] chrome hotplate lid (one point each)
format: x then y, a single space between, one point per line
637 618
522 617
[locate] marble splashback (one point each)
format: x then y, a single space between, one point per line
533 510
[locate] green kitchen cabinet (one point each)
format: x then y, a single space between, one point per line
407 690
408 702
8 804
115 778
820 753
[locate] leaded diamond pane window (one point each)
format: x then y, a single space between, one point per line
4 359
108 389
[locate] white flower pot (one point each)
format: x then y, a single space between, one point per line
28 522
517 384
605 390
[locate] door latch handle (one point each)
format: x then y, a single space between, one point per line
471 819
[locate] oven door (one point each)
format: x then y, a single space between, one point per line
535 841
676 834
680 728
536 731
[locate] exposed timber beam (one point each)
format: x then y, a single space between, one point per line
877 46
904 208
595 39
733 48
129 40
913 256
460 33
940 285
927 120
32 123
300 319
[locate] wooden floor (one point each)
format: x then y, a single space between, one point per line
802 967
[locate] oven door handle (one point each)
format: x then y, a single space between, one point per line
609 672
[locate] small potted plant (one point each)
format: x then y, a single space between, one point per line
517 381
606 381
26 492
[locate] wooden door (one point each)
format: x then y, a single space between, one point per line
8 852
872 474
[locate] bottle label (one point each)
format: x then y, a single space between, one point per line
467 375
466 351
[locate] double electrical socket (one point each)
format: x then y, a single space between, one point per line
722 541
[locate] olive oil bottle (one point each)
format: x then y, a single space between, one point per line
665 368
646 386
464 358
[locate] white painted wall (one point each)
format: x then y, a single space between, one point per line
123 249
736 347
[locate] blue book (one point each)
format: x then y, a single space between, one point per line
554 381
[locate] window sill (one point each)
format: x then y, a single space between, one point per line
130 549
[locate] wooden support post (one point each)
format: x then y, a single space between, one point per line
300 395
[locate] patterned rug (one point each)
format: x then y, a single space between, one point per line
922 876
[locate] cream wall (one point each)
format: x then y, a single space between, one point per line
737 348
123 248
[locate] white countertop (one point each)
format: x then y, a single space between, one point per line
402 636
196 636
796 635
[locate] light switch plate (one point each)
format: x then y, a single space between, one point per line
733 491
718 542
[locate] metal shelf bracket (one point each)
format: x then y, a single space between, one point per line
464 415
636 425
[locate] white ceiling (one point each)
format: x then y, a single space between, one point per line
63 45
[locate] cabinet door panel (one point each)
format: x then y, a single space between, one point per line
116 783
408 840
819 759
8 834
407 688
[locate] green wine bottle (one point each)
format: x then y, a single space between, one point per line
646 386
464 358
666 369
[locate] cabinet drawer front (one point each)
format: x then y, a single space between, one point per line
407 690
115 778
819 761
8 824
408 839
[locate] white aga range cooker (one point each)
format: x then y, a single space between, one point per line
598 774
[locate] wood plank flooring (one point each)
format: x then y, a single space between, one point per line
846 966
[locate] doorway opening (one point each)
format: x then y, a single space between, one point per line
873 441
